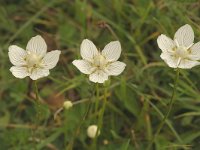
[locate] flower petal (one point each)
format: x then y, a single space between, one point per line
51 59
112 51
19 72
169 59
37 45
84 66
115 68
184 36
39 73
187 64
16 55
88 50
195 52
165 43
98 77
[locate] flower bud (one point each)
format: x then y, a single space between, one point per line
91 131
67 104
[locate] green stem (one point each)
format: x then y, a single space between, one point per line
148 120
97 98
70 145
100 120
168 112
37 108
37 102
36 91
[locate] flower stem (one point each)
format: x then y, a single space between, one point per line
100 119
97 98
37 102
168 112
71 143
36 91
37 109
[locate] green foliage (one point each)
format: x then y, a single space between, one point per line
137 99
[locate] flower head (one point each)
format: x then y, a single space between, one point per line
35 61
180 52
92 130
67 104
99 65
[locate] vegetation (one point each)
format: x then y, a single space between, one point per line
137 100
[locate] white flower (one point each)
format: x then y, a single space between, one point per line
67 104
99 65
35 61
180 52
92 130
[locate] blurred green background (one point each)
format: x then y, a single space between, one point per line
137 98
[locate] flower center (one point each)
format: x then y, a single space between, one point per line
32 59
99 61
181 52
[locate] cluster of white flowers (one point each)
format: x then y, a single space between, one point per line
36 62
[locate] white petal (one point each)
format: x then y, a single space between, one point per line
84 66
39 73
88 50
115 68
19 72
16 55
98 77
169 59
188 64
184 36
112 51
195 52
165 43
51 59
37 45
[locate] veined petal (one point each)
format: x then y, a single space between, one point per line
84 66
98 76
88 50
51 59
195 52
39 73
37 45
165 43
112 51
170 59
16 55
19 72
184 36
188 64
115 68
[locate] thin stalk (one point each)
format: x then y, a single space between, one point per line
112 32
100 120
37 101
97 98
148 120
168 112
70 145
37 107
36 91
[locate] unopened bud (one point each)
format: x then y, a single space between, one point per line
92 130
67 104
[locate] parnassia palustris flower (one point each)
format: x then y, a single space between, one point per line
35 61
